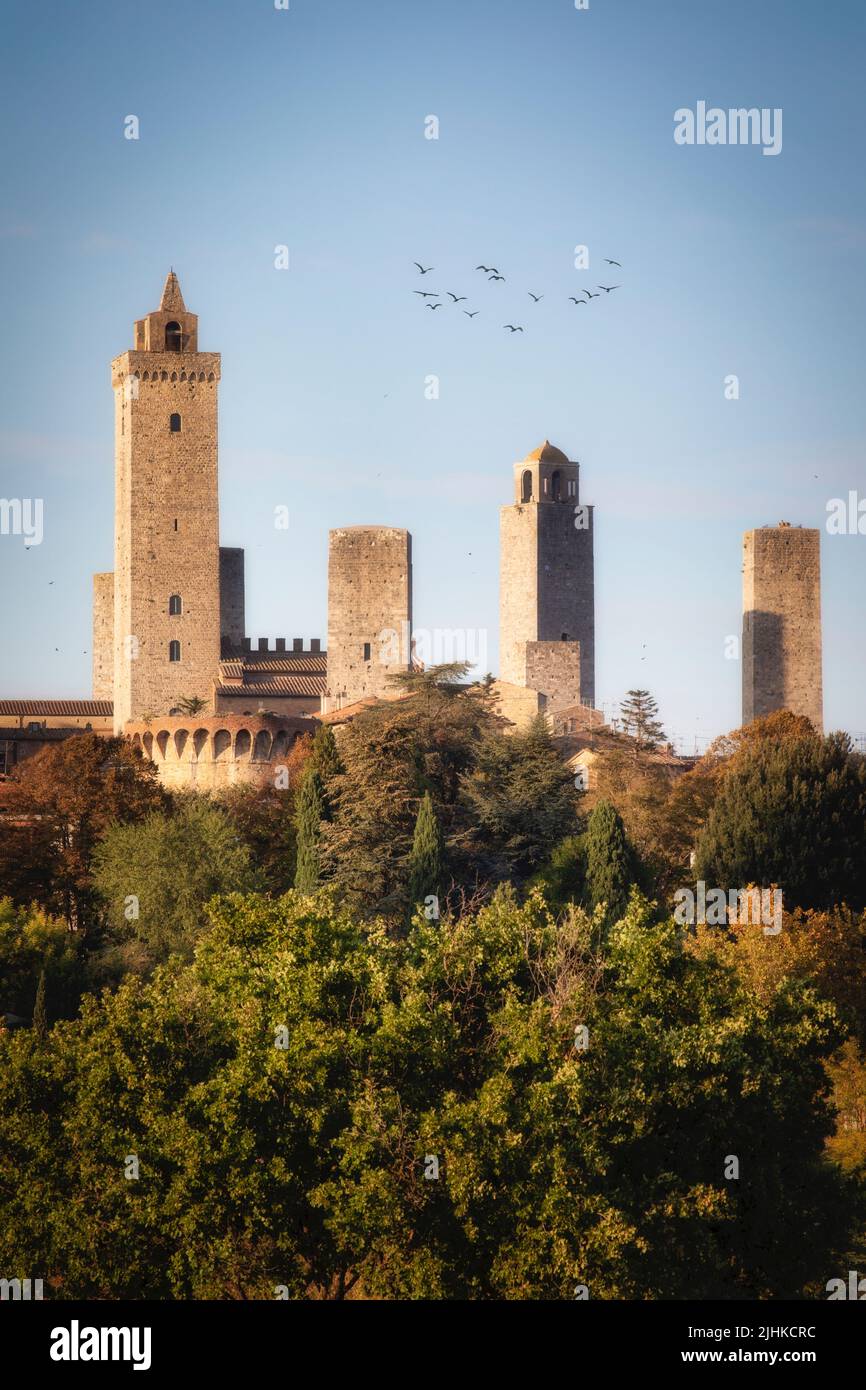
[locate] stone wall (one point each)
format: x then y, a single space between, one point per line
102 641
782 656
232 610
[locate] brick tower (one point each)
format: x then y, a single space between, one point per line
546 584
166 625
782 622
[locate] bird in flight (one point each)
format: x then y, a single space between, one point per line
513 329
578 301
426 294
607 288
433 306
472 315
421 268
496 277
458 298
590 295
609 262
488 269
536 297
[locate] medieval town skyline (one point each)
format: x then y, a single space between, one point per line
325 401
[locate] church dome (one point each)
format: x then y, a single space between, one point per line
546 453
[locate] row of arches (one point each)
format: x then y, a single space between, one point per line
174 376
555 493
218 746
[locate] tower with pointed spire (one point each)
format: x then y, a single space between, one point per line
166 591
546 588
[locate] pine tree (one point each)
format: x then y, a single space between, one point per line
638 715
309 814
425 858
40 1013
611 866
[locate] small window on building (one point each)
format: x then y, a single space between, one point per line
174 423
526 487
556 484
175 606
33 727
174 651
565 637
367 651
175 523
88 728
173 337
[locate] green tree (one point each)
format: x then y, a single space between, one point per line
308 826
155 877
638 715
611 865
563 878
522 800
191 704
790 813
324 755
425 859
32 942
40 1011
287 1089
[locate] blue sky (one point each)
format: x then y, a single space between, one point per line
306 127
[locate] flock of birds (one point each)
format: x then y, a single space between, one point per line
493 273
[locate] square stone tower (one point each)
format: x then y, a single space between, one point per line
546 582
782 622
369 611
167 560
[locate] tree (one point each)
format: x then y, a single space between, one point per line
790 813
563 878
154 877
40 1012
324 754
321 1105
425 859
522 800
611 865
32 943
58 807
639 718
308 827
191 704
264 819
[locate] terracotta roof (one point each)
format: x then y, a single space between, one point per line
300 683
546 453
57 707
283 662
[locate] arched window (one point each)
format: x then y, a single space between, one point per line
526 487
173 337
174 423
175 606
555 485
174 651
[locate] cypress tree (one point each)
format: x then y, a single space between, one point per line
425 857
611 866
40 1013
309 814
323 754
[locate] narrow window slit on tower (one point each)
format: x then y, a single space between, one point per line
174 422
174 651
175 607
367 651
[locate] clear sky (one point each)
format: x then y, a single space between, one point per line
306 128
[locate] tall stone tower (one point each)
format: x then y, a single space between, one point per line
546 582
167 561
369 611
782 622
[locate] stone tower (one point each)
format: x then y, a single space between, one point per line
546 584
369 611
782 622
167 560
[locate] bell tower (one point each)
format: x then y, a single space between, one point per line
167 563
546 589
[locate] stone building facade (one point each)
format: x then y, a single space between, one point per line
782 642
546 588
369 611
209 754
